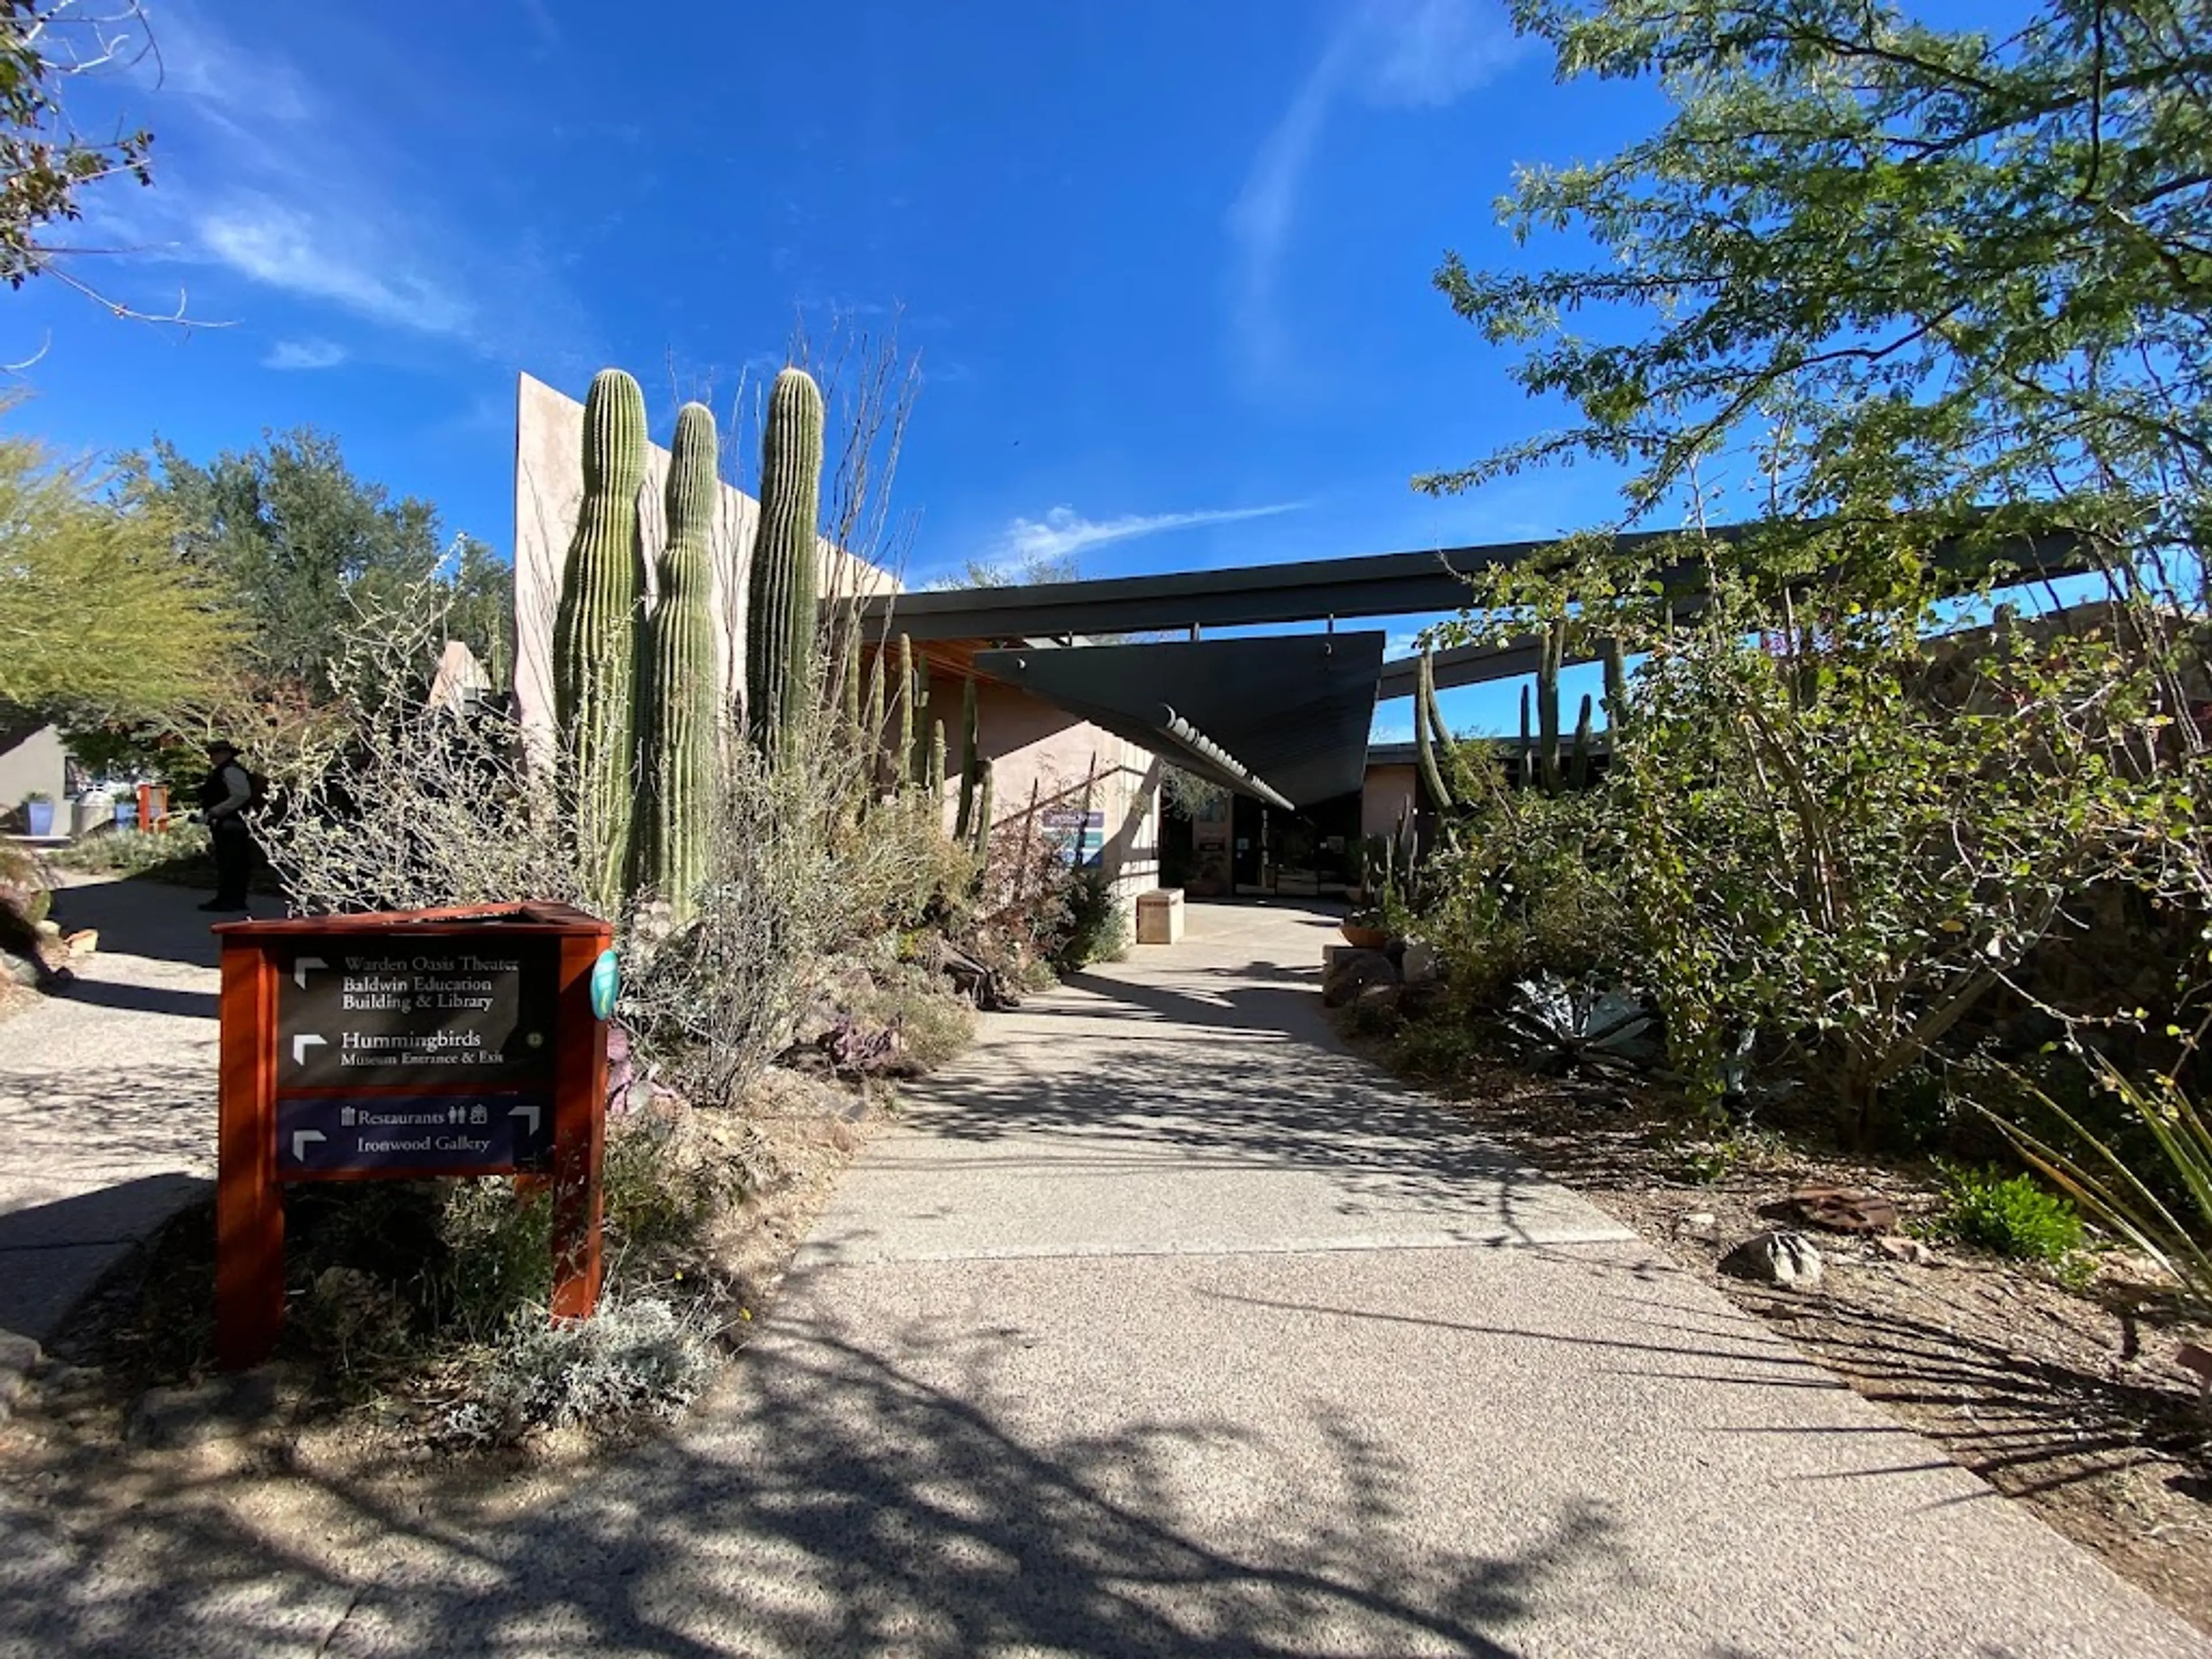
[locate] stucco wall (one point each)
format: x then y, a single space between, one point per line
33 761
1389 796
1038 752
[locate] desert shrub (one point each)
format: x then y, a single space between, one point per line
646 1356
1097 928
411 806
2011 1214
1530 885
179 854
933 1024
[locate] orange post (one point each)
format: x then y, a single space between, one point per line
249 1212
579 1130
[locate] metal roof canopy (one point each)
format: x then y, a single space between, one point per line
1376 585
1291 712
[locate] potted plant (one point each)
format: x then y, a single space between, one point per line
1365 929
39 812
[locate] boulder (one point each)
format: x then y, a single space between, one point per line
1419 966
20 1359
1786 1261
1350 972
1837 1209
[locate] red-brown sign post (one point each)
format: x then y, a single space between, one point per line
399 1045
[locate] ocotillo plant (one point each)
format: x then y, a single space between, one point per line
1578 769
852 676
676 690
902 761
781 624
1424 697
968 780
595 635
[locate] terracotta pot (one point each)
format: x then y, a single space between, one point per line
1363 939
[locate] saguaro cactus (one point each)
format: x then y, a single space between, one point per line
676 691
967 763
595 635
1424 697
781 625
1579 766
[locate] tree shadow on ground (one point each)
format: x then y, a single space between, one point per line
1254 1078
844 1499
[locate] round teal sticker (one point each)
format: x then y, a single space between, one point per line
606 984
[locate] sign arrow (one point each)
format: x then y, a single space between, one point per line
299 969
304 1041
530 1112
303 1138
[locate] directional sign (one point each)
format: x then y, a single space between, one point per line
417 1013
426 1135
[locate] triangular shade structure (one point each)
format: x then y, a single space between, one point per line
1283 718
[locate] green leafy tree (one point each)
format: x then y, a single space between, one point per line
1880 264
44 162
303 544
100 619
480 610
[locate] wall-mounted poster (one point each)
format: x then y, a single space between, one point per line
1081 835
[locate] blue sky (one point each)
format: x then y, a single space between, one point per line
1166 264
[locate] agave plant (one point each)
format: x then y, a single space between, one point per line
1562 1027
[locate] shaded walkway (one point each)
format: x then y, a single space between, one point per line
1166 1328
107 1096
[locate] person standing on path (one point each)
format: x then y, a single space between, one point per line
224 798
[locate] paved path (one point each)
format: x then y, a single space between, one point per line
107 1096
1165 1326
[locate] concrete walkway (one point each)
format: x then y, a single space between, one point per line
1165 1326
107 1096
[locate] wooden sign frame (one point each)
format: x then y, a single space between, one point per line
249 1188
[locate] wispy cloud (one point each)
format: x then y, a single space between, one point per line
1401 54
286 247
1063 530
298 189
304 355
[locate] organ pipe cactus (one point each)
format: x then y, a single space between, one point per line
982 828
1528 748
902 759
676 690
933 777
1547 704
1578 768
595 636
780 627
968 753
1616 684
871 719
1425 748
